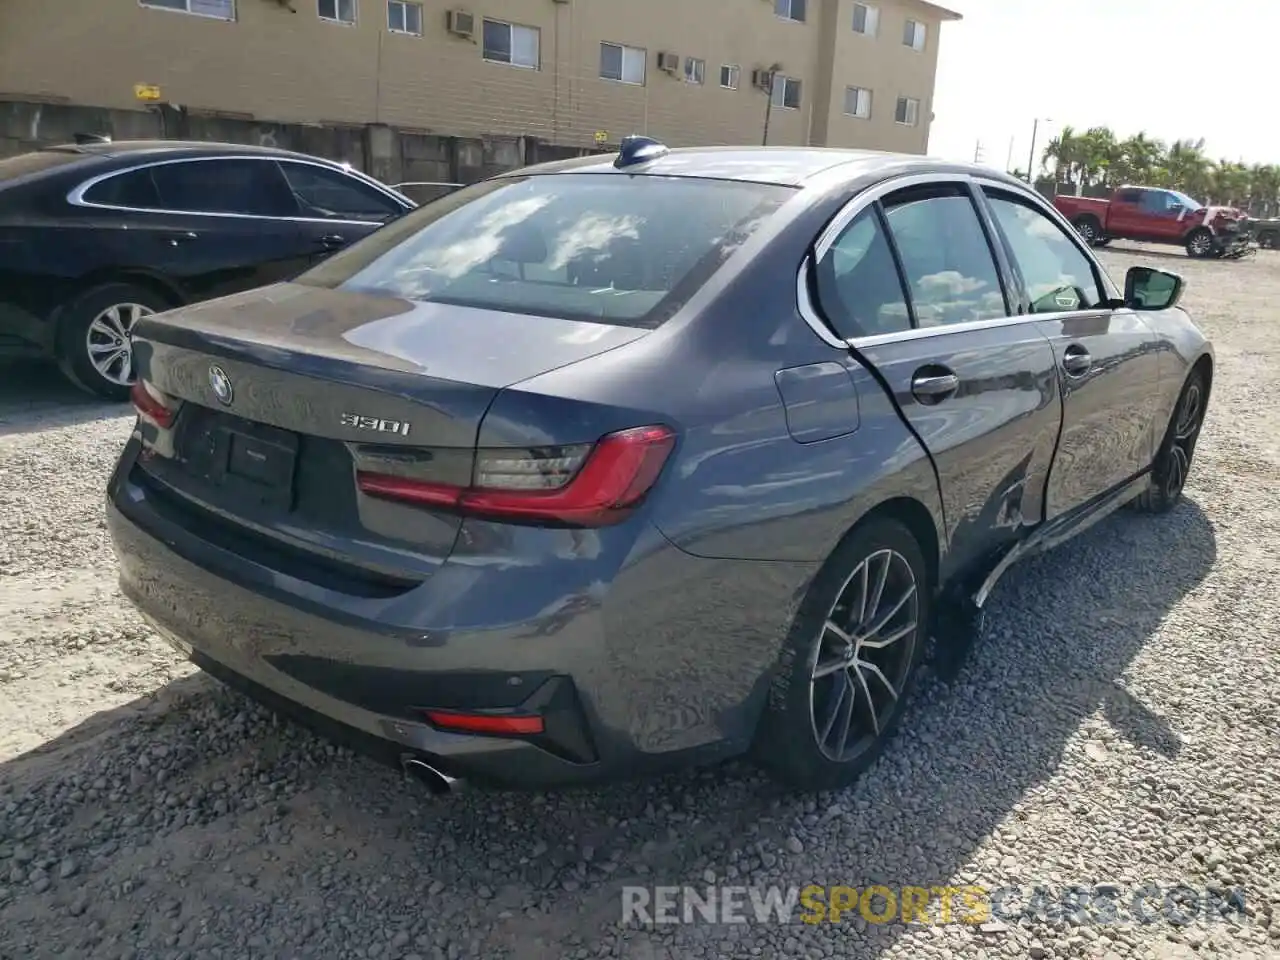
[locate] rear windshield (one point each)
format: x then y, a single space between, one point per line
607 248
27 163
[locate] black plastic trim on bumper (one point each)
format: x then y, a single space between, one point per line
526 765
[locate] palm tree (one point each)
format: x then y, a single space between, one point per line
1098 153
1063 151
1230 184
1189 169
1143 159
1264 189
1097 157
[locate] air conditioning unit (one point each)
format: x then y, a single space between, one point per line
461 23
760 79
669 62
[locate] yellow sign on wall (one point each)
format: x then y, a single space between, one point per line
602 136
147 92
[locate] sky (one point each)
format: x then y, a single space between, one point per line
1131 65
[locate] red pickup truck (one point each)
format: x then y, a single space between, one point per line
1154 215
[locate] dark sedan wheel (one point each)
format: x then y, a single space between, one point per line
1267 240
94 346
849 661
1173 462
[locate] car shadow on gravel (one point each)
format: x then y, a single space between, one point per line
522 874
35 396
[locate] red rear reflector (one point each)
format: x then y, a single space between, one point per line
486 722
616 473
149 405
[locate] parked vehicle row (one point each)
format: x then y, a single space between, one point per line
623 462
94 236
1153 215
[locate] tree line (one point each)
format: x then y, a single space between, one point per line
1097 159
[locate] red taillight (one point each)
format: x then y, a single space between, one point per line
147 401
491 723
583 486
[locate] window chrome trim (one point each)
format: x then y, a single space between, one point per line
813 318
76 196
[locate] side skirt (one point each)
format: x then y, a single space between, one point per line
959 613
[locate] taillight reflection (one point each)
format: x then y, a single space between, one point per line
151 404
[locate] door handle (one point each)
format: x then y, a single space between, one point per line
1076 360
333 241
934 385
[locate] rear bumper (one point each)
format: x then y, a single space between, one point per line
665 664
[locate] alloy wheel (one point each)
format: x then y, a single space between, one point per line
1086 232
108 341
1201 244
1185 430
864 655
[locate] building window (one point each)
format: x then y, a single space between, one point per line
695 70
513 44
790 9
337 11
729 76
404 17
866 19
857 102
786 92
908 112
214 9
913 34
624 64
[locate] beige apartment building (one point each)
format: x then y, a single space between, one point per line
571 72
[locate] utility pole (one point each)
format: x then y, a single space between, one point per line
768 106
1031 160
1008 163
977 152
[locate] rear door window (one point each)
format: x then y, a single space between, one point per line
598 247
945 255
251 187
330 195
135 189
859 288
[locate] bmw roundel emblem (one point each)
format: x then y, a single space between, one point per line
221 384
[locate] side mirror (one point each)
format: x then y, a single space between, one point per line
1146 288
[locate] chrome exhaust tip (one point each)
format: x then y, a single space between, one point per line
437 783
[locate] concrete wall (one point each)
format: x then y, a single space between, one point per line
392 154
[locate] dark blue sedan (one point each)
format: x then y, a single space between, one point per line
623 462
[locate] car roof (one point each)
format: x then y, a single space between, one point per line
784 166
119 148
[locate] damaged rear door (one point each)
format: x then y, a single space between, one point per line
915 284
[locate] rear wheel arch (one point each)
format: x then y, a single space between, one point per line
916 517
1203 366
167 290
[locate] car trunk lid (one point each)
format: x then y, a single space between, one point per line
287 392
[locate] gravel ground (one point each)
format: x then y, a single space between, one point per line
1120 724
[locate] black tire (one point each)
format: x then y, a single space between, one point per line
1177 450
1199 244
74 333
1267 239
1089 228
789 744
1102 242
